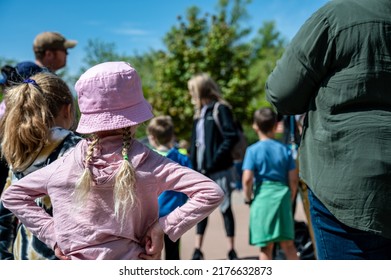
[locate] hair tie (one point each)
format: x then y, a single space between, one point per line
30 81
125 157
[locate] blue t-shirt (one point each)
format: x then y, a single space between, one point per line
270 160
170 200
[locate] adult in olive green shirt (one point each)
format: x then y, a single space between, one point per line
337 69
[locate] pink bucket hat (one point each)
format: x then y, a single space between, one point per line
110 97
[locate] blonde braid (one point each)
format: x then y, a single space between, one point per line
83 185
124 193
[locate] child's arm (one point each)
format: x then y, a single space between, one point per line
247 182
203 193
293 182
153 243
20 199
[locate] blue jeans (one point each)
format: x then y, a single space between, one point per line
336 241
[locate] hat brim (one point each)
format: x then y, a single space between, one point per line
69 44
104 121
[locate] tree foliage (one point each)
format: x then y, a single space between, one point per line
204 43
267 46
98 51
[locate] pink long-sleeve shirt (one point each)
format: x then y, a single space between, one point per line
92 231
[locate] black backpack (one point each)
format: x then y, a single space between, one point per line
240 147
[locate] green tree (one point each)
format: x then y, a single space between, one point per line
268 46
98 51
207 43
210 43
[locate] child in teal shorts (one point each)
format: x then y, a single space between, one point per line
270 183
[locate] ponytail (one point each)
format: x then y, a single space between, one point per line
31 109
25 125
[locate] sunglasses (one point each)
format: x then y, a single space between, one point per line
60 50
63 50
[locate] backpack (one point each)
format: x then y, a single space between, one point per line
240 147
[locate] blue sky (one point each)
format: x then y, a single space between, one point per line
134 26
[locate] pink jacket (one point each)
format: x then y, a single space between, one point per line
93 231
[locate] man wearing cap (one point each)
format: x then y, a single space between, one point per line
51 49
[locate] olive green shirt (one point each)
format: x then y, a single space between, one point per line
337 69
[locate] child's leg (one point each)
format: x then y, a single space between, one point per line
171 248
200 231
289 250
266 253
229 224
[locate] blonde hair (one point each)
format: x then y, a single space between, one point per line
162 129
125 179
31 109
202 86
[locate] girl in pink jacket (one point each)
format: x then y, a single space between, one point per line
104 193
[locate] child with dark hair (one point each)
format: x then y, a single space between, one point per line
270 183
161 137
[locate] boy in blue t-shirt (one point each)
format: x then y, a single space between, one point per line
161 137
270 182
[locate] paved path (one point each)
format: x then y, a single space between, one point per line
215 243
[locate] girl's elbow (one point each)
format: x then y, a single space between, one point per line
6 199
218 195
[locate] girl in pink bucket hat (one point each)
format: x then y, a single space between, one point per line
104 192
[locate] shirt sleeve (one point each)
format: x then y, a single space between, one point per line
20 198
203 193
248 162
303 66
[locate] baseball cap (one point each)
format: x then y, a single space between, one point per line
52 41
27 69
20 72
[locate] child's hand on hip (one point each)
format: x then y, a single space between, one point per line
59 254
153 243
